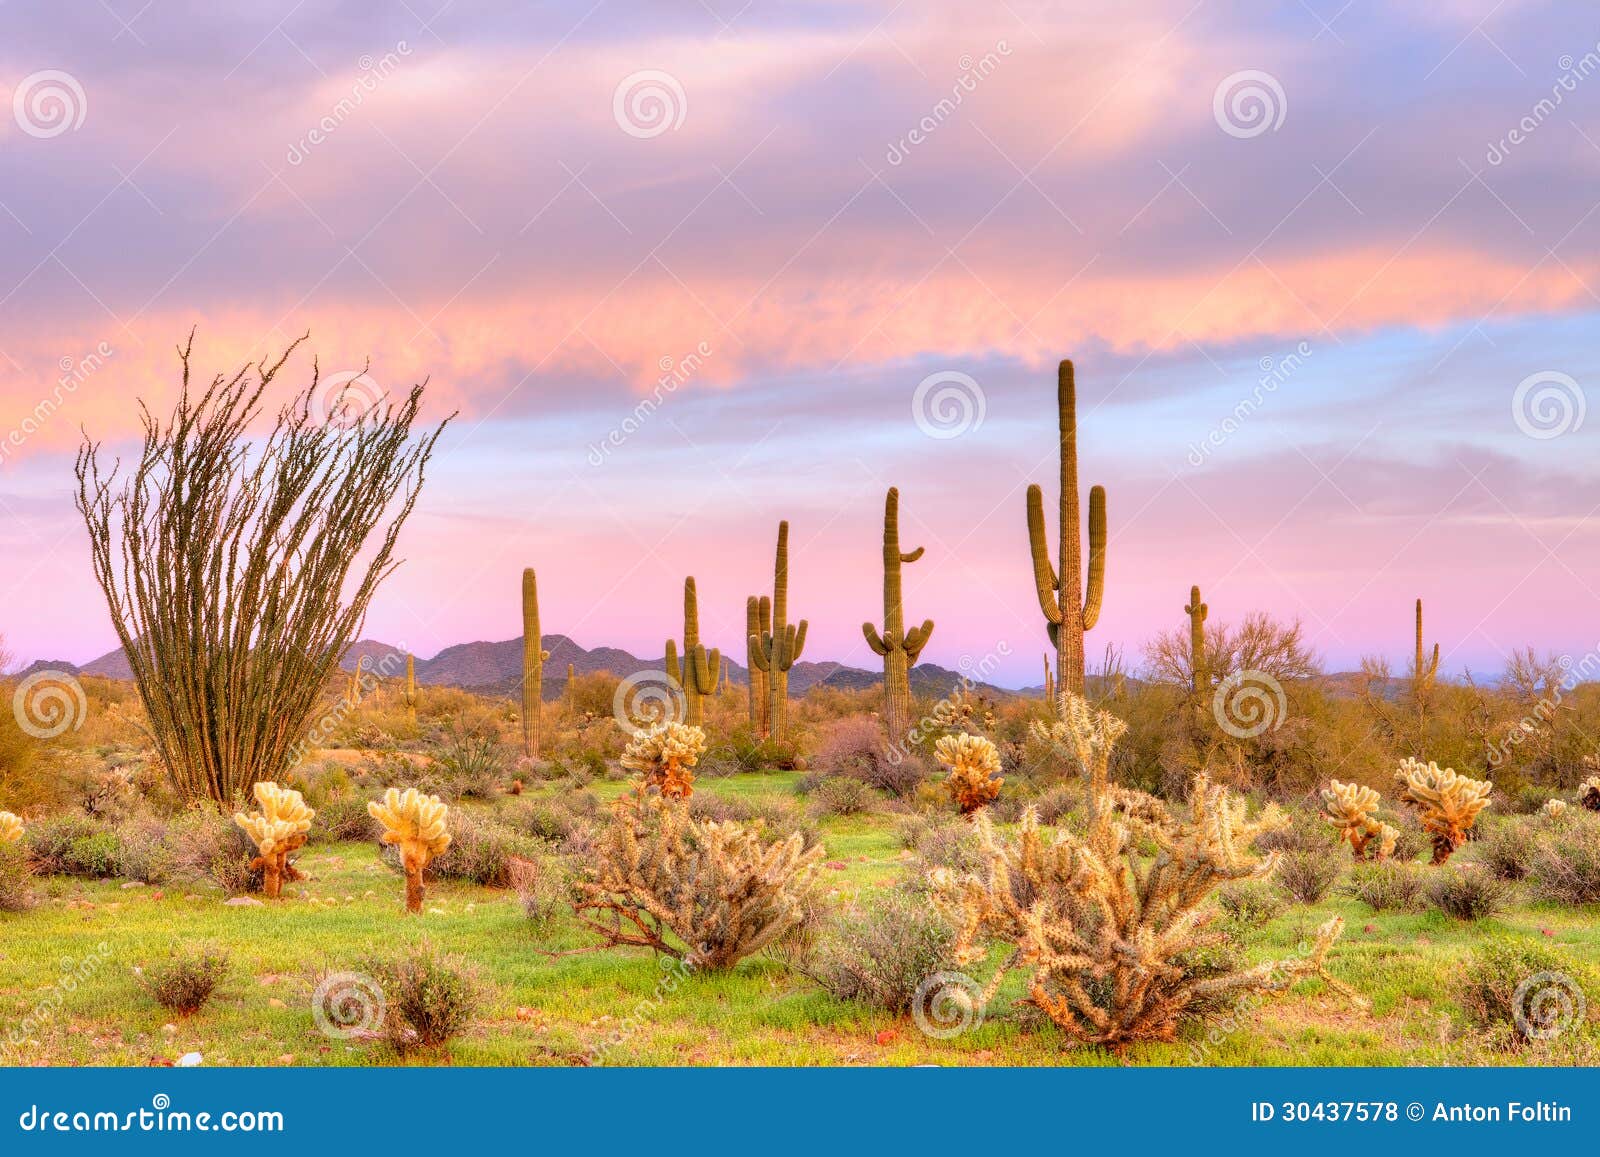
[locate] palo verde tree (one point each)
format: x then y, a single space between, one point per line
229 559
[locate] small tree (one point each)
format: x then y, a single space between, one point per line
226 570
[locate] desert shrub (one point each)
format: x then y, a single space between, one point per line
428 999
16 879
1307 876
1467 893
881 952
842 797
142 850
543 886
469 759
741 748
1250 904
714 893
1059 805
1566 861
541 820
908 829
1525 985
184 981
344 818
1305 832
1506 849
1413 840
73 845
1389 887
854 747
204 844
953 846
481 851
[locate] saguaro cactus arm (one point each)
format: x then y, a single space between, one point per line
1095 585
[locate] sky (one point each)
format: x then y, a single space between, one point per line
1329 273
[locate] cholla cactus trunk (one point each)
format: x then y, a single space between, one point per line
414 823
758 624
1447 803
411 688
1060 587
898 647
777 650
1349 807
533 657
1199 676
225 554
277 830
697 672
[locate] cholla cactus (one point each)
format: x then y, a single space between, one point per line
1086 737
1103 928
1348 807
974 764
1554 808
414 823
1446 802
1589 792
665 755
10 828
278 829
706 893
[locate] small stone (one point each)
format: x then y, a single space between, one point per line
242 902
835 865
169 1029
189 1060
133 884
276 1003
286 1059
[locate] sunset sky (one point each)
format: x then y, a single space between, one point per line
1390 213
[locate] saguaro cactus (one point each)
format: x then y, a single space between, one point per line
1049 680
570 691
757 625
777 649
697 672
898 646
410 692
414 823
1059 587
280 827
1424 671
533 657
1199 677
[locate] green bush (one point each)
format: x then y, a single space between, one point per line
881 952
1388 887
1466 893
1250 904
16 880
1505 848
843 797
72 845
1545 976
482 850
185 980
428 999
1566 861
343 818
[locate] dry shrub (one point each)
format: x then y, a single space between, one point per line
1566 861
1468 893
1388 887
1307 876
708 892
73 845
1525 986
482 850
1506 848
429 999
854 747
205 844
882 951
543 886
842 797
1249 905
185 981
16 880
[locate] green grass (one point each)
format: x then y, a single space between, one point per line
544 1008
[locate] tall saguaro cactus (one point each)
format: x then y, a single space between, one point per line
1199 675
775 651
410 693
697 672
898 646
533 657
1059 587
1424 671
1049 681
757 624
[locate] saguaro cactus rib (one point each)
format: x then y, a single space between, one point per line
533 657
899 647
1199 676
774 652
697 672
1058 586
757 623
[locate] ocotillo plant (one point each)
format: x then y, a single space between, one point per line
1059 587
697 672
410 692
778 648
533 657
238 559
898 646
757 625
1424 670
1200 678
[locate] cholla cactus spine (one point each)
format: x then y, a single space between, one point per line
278 829
1069 608
10 828
1200 677
898 647
697 672
1554 808
533 657
1348 807
666 755
974 762
1446 802
414 823
775 652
